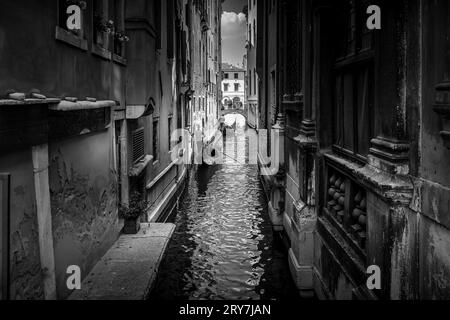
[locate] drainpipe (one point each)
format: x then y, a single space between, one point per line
44 217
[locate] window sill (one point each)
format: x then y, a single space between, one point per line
120 60
101 52
140 166
393 189
71 39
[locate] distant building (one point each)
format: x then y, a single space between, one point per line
233 87
206 61
252 76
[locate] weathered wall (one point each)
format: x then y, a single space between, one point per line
84 209
55 68
26 274
433 184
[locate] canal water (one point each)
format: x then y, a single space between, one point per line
223 246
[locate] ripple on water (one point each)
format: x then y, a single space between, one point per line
223 246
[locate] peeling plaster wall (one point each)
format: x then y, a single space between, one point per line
434 260
84 209
26 275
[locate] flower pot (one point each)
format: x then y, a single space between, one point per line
131 226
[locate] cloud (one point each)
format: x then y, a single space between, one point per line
234 25
234 33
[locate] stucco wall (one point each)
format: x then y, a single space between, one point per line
55 68
84 209
26 275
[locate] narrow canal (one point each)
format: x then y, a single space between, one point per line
223 246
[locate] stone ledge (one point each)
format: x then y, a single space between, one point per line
395 189
303 276
129 268
140 166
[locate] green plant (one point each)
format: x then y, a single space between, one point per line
121 36
135 208
101 24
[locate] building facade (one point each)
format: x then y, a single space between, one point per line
206 53
252 75
360 123
233 87
87 119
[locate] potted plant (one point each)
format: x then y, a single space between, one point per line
132 212
103 28
119 44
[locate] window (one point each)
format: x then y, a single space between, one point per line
254 82
236 75
354 85
226 86
155 142
63 5
102 24
170 29
254 31
236 87
226 76
273 89
75 37
120 37
157 5
170 132
138 144
250 81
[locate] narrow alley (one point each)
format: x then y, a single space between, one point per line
224 247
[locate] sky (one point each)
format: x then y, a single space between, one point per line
234 30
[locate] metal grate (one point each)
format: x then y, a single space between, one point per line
138 144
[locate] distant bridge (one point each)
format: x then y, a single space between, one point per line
243 112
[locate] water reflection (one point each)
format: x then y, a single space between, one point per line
223 246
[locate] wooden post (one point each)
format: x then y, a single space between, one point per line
44 217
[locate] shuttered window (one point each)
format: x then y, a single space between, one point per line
155 135
138 141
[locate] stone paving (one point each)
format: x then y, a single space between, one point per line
129 269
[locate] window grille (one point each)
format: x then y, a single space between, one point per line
138 143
